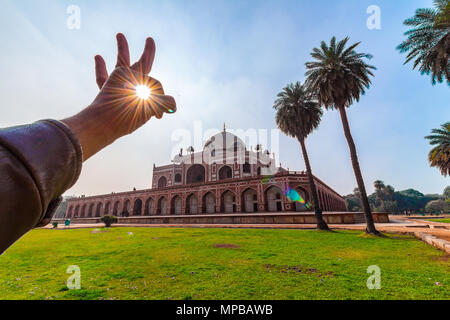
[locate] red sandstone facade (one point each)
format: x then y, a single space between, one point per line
224 178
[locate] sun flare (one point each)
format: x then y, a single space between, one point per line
143 92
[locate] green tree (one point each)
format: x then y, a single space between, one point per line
108 220
353 203
446 193
428 41
436 206
338 77
388 192
379 185
439 156
297 116
412 200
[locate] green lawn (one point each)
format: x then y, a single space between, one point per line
165 263
440 220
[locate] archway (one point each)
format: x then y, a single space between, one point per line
250 200
176 205
91 210
177 178
209 203
301 207
107 208
116 208
69 212
98 212
162 182
162 206
137 208
228 202
126 208
149 207
274 199
225 173
192 204
83 211
195 174
77 209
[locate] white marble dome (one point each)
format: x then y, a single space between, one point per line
225 140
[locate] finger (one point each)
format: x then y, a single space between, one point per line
101 73
123 52
165 104
155 86
145 63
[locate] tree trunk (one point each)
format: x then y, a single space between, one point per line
321 224
356 169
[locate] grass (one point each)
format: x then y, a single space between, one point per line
440 220
177 263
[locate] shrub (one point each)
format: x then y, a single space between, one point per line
55 225
108 220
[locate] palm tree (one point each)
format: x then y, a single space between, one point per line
338 77
439 156
379 186
428 41
297 116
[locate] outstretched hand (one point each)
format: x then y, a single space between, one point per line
118 110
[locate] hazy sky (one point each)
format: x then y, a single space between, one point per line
224 61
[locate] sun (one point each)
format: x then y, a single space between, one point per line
143 92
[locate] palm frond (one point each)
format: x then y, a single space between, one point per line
439 156
428 42
338 75
298 113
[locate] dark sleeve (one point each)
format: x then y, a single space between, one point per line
38 162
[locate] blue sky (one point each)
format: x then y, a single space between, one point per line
225 61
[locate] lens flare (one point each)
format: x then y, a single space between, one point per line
294 196
143 92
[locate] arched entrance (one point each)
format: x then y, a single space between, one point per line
228 202
299 206
274 199
162 206
83 211
126 208
250 200
225 173
137 208
162 182
149 207
107 208
98 212
69 212
91 210
77 209
176 205
116 208
209 203
195 174
192 204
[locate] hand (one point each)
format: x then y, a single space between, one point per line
117 110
